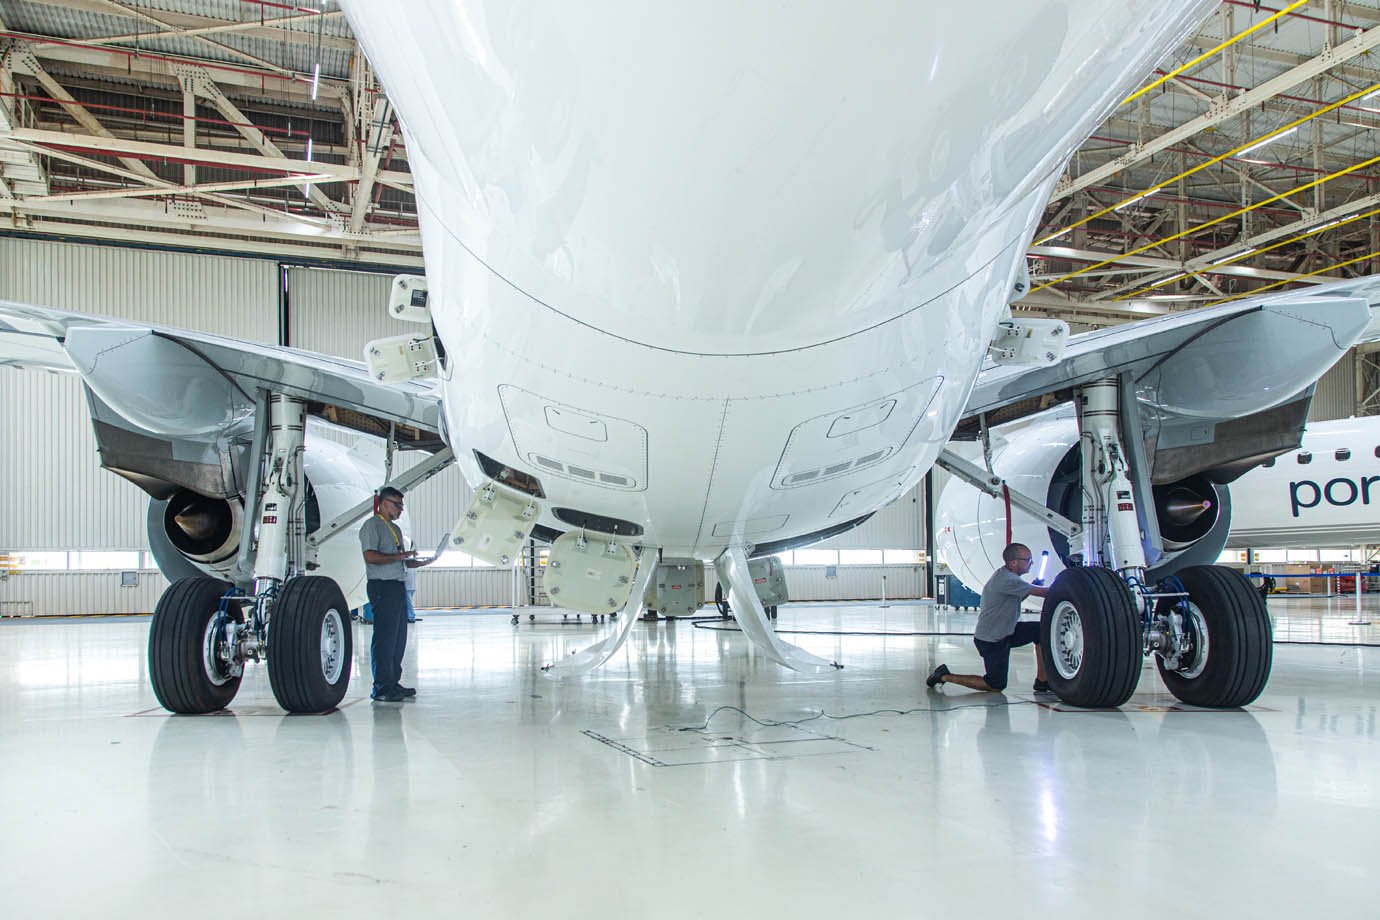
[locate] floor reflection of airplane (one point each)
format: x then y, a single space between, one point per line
703 283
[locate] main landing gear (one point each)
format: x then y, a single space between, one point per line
1206 625
204 630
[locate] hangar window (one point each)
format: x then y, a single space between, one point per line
38 561
1343 454
451 559
101 560
1305 457
848 557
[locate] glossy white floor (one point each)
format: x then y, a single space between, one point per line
500 793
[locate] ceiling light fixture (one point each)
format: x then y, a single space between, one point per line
1130 201
1269 140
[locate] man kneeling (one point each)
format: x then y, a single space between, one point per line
999 627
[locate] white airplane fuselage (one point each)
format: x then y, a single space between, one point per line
1326 493
728 272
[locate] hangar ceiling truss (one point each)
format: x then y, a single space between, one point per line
241 126
1250 161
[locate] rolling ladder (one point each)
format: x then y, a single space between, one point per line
528 581
529 587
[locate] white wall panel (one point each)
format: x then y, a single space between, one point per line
900 525
463 587
1335 396
336 312
855 582
57 497
58 593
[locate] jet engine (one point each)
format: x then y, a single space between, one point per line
1042 461
191 534
204 530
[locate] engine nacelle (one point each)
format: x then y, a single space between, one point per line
204 530
1041 460
192 534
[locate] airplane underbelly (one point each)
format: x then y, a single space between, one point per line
704 451
746 178
728 271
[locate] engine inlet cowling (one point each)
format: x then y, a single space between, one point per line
203 529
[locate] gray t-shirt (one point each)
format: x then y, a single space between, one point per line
1001 605
382 537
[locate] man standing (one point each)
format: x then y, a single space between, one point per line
999 627
385 565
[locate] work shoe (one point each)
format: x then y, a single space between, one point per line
387 696
406 691
1041 686
937 676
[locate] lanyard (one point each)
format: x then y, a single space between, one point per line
392 532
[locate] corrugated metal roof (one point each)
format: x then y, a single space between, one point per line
295 50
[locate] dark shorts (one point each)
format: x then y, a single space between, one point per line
997 655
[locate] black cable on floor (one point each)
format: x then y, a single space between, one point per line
830 632
833 632
766 723
1336 644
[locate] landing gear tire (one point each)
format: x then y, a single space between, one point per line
515 619
721 602
1090 638
186 667
1233 651
310 645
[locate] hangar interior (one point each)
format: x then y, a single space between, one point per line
1162 210
235 167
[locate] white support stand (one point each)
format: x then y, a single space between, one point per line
732 568
595 655
884 603
1359 621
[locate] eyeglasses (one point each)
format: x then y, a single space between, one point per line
394 502
1023 559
